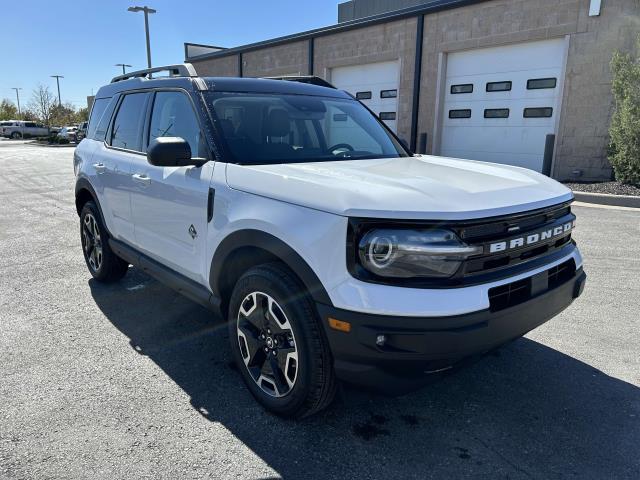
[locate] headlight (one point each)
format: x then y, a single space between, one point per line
413 253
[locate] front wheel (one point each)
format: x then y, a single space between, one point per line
278 344
16 135
104 265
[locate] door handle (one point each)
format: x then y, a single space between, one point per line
141 178
99 168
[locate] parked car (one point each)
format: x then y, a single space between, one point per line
82 131
332 251
69 133
22 129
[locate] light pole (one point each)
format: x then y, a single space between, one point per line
122 65
17 89
58 77
146 11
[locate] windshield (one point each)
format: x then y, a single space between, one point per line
279 128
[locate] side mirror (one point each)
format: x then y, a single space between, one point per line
170 152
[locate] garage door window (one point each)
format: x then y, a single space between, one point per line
496 113
363 95
388 93
499 86
465 88
463 113
539 83
538 112
387 115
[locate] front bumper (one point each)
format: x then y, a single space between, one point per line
414 347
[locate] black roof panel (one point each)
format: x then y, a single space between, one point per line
223 84
266 85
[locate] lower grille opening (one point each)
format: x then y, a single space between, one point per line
514 293
510 294
561 273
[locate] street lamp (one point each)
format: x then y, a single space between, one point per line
146 11
17 89
58 77
122 65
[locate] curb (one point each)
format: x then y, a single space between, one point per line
607 199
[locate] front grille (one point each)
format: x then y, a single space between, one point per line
521 223
515 293
505 228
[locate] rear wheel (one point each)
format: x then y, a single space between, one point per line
104 265
278 344
16 135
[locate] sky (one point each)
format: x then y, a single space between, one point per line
83 40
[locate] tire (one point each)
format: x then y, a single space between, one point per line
104 265
16 135
305 383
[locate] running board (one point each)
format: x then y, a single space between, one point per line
174 280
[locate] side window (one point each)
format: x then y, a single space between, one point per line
127 127
173 116
103 122
97 110
30 124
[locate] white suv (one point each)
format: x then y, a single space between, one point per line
334 253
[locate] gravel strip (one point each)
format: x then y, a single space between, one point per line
612 188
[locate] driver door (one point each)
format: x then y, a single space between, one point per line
169 204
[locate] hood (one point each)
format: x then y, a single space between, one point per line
419 187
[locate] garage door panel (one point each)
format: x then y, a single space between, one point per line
514 139
515 119
516 159
499 139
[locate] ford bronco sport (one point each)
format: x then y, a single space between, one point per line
334 253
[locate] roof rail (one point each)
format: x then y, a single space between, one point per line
179 70
311 79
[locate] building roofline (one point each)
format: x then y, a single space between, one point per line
430 7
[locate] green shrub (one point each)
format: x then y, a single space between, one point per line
63 141
624 149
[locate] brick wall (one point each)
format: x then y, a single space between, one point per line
289 59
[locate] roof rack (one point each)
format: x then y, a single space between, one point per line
311 79
179 70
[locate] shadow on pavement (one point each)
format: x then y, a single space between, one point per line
525 411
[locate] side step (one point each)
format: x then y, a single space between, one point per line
178 282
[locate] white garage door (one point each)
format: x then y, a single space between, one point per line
374 84
501 102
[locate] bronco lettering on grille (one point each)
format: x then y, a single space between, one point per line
531 239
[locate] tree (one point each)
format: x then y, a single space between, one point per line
63 114
624 148
42 103
8 110
82 115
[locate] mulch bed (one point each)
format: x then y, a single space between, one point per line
612 188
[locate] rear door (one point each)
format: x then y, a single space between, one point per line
170 204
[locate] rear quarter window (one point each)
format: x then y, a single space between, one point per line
97 111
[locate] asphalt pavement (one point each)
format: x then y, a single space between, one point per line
134 381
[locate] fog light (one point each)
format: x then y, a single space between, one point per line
381 340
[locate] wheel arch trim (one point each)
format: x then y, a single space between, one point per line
250 238
83 184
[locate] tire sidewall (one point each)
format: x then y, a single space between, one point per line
91 208
295 309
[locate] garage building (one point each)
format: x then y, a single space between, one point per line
521 82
